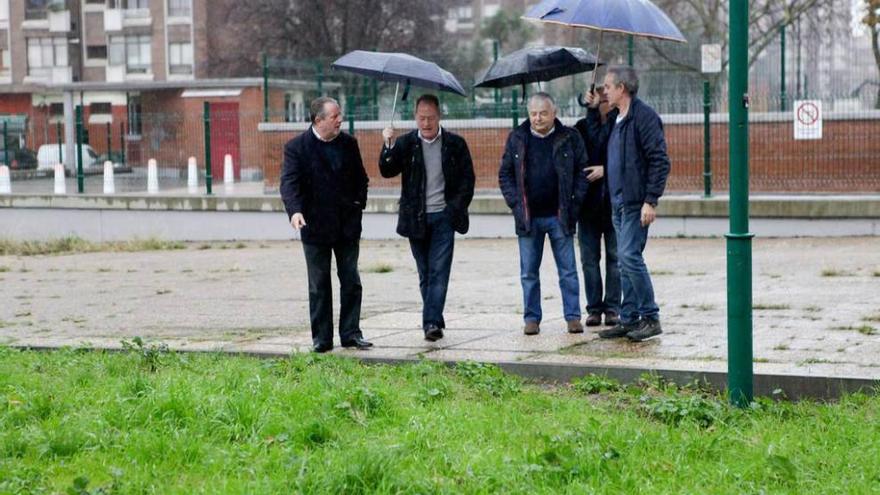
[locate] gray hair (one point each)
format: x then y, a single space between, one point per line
318 107
627 76
542 96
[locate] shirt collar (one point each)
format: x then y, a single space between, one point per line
322 139
432 141
539 135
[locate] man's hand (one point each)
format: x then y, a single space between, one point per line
593 99
388 136
594 173
297 221
648 214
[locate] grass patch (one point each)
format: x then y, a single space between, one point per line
379 268
781 347
699 307
4 269
872 318
836 272
867 330
876 273
662 272
152 421
770 307
812 308
71 245
695 274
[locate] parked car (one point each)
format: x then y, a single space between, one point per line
47 156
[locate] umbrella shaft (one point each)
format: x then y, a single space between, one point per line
596 68
394 105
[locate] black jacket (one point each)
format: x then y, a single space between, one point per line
458 174
331 199
643 152
597 202
570 158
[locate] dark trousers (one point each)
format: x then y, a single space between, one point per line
433 256
591 230
638 290
321 290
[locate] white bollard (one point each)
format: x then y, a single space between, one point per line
228 174
60 184
152 177
192 176
109 185
5 184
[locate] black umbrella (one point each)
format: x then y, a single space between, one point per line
399 67
538 64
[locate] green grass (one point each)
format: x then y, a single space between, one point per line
379 268
69 245
770 307
149 421
836 272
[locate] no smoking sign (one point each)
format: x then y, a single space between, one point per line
808 119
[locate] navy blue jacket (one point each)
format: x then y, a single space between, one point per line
643 153
458 175
597 202
569 157
331 198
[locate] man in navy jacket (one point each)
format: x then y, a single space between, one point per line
324 189
637 167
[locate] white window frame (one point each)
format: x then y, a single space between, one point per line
177 10
135 52
180 55
39 49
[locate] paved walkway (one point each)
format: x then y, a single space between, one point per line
817 304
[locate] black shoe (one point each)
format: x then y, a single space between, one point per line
358 342
618 331
322 348
647 328
593 320
433 332
611 319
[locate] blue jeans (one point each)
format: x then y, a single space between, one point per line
531 251
433 256
590 233
638 291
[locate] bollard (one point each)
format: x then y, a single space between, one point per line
5 184
707 142
109 185
80 176
152 177
207 120
192 176
228 174
60 184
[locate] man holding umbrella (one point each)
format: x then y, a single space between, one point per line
543 182
437 186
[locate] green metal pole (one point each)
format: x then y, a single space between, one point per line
707 142
496 91
782 95
629 50
739 239
5 144
122 143
514 110
374 92
109 143
80 178
351 111
265 88
207 119
58 132
320 79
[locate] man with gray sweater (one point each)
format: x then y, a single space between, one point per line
437 185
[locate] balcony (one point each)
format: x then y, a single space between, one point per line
116 20
59 21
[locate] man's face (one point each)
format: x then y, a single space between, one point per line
541 115
328 127
428 120
604 107
614 91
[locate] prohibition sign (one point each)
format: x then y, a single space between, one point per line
807 113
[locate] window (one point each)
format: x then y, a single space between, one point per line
45 53
179 8
134 116
56 109
100 108
132 51
4 10
99 2
36 9
137 4
97 52
4 61
180 58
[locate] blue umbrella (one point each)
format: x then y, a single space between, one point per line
399 67
635 17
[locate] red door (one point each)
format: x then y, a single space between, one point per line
224 138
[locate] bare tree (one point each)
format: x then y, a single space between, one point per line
872 20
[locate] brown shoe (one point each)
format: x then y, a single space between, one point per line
611 318
593 320
531 328
574 326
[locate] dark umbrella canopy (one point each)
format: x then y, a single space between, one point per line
400 68
537 64
636 17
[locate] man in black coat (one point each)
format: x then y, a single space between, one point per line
543 182
437 186
324 189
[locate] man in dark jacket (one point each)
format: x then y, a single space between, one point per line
595 223
437 186
324 189
542 180
638 166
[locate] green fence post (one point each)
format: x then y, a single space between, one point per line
320 71
59 133
496 112
207 120
739 240
374 107
6 144
122 143
109 143
630 48
707 142
351 111
265 88
782 95
514 110
80 178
